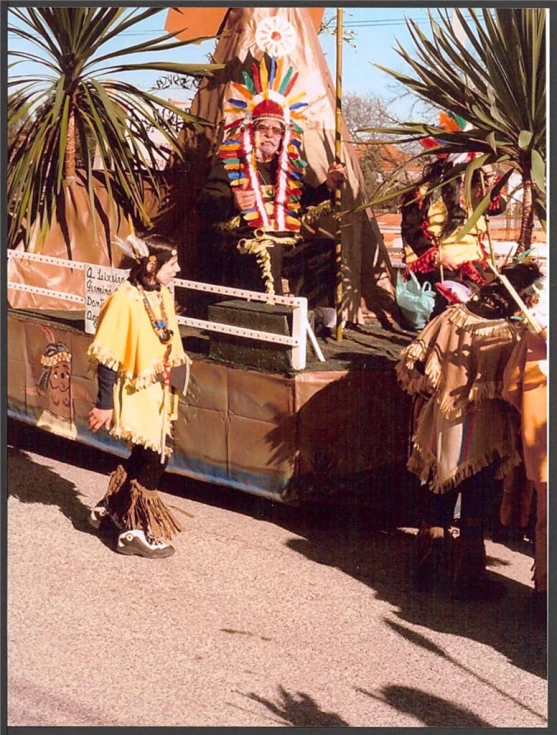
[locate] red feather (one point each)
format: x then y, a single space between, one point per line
256 78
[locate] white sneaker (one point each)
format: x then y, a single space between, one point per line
134 542
100 519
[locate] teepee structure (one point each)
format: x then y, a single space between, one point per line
246 35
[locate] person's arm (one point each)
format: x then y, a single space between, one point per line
498 203
106 377
101 414
415 234
314 195
216 200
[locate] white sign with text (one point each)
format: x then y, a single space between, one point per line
100 282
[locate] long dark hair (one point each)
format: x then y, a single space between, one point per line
439 173
162 248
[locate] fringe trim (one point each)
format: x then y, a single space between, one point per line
116 482
316 212
417 352
230 225
148 513
258 246
425 466
426 263
132 436
461 317
479 393
433 377
149 376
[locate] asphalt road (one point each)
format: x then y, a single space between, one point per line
265 616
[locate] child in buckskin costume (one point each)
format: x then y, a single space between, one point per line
137 346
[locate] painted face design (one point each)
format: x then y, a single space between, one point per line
59 395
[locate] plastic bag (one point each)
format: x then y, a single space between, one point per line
416 301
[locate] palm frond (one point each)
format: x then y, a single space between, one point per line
74 104
495 80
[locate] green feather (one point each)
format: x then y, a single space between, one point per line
285 81
249 82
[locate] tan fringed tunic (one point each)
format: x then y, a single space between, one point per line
463 424
525 386
125 341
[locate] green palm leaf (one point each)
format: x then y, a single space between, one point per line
496 81
74 106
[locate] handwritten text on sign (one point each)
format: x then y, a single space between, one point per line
100 282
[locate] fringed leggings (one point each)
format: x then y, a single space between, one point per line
132 499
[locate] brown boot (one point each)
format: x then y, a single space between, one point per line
469 577
432 555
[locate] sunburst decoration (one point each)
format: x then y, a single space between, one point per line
275 36
267 93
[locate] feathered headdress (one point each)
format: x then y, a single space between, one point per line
266 93
452 123
133 246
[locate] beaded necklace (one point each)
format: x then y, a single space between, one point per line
159 325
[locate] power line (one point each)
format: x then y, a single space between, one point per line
378 23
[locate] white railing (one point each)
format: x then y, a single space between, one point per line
297 341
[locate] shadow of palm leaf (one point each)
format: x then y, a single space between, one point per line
433 711
300 710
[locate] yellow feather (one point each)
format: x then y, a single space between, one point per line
296 98
241 89
264 75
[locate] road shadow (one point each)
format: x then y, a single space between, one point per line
362 542
358 540
298 710
432 711
382 560
31 482
28 438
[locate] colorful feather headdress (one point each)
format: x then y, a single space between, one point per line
267 93
452 123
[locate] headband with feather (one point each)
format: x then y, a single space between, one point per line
133 246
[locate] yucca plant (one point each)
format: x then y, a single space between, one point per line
490 71
75 101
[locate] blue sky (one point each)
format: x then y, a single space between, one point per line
377 31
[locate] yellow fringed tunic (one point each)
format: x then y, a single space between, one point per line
125 341
463 424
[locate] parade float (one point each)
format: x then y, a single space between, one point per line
272 409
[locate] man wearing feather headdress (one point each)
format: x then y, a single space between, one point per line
255 196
